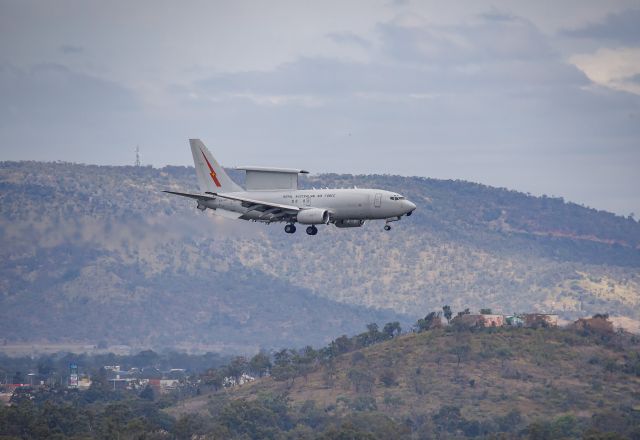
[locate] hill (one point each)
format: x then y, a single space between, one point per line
96 252
449 383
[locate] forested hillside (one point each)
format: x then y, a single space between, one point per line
447 382
95 252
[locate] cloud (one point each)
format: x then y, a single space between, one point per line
413 59
486 97
489 100
617 69
349 38
49 92
69 49
622 27
50 108
491 38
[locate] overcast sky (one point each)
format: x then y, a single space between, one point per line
542 97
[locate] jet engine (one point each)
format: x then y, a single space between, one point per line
313 216
349 223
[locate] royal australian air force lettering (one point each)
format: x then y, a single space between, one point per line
272 195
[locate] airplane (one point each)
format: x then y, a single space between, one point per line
272 195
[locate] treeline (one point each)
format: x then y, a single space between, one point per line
289 364
102 413
56 366
270 416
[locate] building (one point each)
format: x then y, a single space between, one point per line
477 320
492 320
598 324
539 320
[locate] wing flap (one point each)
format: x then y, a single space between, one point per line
257 203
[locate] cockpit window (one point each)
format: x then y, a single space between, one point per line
396 198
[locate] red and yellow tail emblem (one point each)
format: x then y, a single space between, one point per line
213 175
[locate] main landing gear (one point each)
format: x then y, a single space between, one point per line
387 227
291 228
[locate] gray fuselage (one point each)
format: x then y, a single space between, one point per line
343 204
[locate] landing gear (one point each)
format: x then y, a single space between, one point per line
290 228
312 230
387 226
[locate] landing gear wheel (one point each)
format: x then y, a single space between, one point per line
387 227
312 230
290 229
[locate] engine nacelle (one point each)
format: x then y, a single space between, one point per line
313 216
349 223
204 204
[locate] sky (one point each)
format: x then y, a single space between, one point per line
541 97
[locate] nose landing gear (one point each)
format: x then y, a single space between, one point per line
290 228
387 226
312 230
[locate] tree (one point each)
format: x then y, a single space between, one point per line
448 418
464 312
146 358
431 321
372 335
391 329
446 310
18 377
213 377
339 346
99 388
284 368
45 366
304 361
148 393
237 367
361 380
461 352
485 311
388 378
260 364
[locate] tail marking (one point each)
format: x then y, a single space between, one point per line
213 175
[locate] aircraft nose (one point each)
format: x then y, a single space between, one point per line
409 206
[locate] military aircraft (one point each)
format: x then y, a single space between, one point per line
272 195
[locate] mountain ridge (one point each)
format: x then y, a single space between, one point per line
107 235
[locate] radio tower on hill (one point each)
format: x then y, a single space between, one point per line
137 156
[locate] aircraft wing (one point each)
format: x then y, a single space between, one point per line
269 211
258 203
191 196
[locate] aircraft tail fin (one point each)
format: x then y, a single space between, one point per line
211 176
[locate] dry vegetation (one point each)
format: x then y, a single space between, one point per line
511 376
